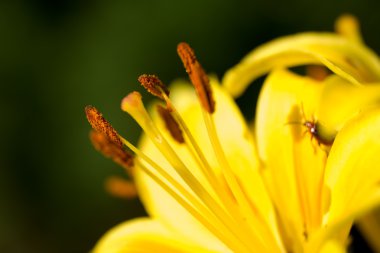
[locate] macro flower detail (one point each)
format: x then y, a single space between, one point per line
294 183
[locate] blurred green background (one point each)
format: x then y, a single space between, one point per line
58 56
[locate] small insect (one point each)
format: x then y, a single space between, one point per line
312 128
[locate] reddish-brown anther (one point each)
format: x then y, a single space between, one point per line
110 150
171 124
197 76
153 85
100 124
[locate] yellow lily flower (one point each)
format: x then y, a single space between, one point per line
295 184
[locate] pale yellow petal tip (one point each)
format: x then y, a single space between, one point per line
348 26
229 82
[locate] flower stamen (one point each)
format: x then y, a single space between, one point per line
191 201
199 211
197 76
203 89
110 150
100 124
153 85
195 150
191 144
133 105
230 177
216 183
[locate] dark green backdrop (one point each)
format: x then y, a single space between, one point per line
58 56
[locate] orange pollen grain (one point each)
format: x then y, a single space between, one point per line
197 76
100 124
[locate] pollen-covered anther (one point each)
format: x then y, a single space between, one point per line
197 76
171 124
100 124
153 85
110 150
120 187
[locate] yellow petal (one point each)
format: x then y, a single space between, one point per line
352 174
352 170
350 60
142 235
282 99
340 101
295 171
294 162
333 247
339 227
